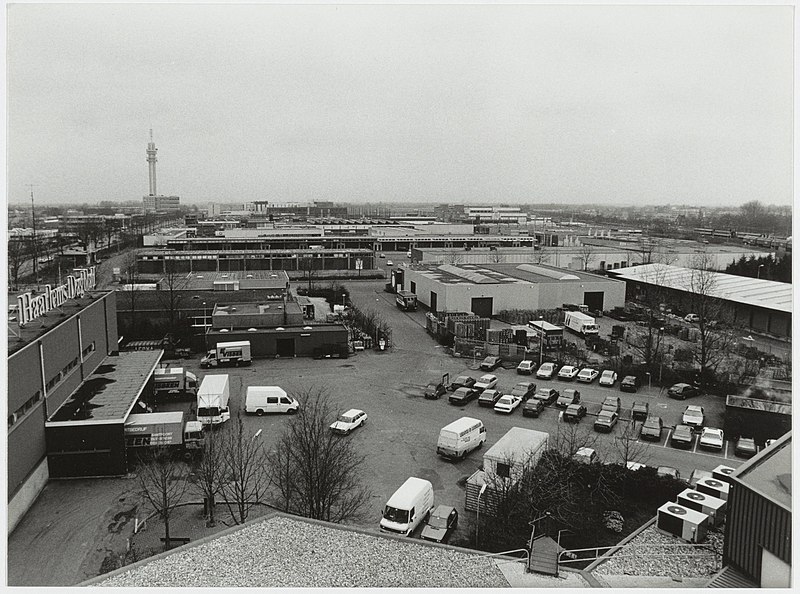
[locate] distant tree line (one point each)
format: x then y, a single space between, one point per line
770 267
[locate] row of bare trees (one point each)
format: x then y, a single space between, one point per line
309 471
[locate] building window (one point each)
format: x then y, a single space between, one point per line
22 410
88 350
503 470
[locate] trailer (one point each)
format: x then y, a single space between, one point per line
212 400
163 429
174 382
580 323
228 353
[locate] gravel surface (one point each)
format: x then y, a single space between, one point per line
688 562
281 552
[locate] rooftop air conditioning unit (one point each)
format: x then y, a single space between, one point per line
714 487
680 521
722 473
711 506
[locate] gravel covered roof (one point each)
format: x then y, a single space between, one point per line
286 552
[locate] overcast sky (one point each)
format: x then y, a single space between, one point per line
467 104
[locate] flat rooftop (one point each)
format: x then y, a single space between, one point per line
108 395
206 281
497 274
770 472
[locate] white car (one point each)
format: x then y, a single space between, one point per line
389 263
526 367
693 416
546 370
586 455
348 421
568 372
712 439
608 378
485 382
587 375
692 317
507 403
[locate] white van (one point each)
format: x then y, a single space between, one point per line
409 505
460 437
269 399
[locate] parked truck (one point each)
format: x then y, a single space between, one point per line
174 382
406 300
212 400
227 353
169 429
581 323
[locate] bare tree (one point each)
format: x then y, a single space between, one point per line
164 481
309 265
570 437
453 259
18 253
209 472
130 272
496 258
170 290
587 255
541 256
314 472
627 446
650 294
245 477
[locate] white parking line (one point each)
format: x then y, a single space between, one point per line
696 443
666 441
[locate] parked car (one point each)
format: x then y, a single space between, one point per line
490 363
546 371
653 425
462 381
526 367
668 472
546 395
524 390
532 408
681 437
485 382
568 372
463 395
586 455
612 403
634 466
608 378
349 421
630 383
567 397
587 375
692 317
682 391
389 263
489 397
434 390
640 411
712 438
574 413
605 422
746 447
381 255
694 416
507 404
442 521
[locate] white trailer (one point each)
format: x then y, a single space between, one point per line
174 382
581 323
212 400
163 429
228 353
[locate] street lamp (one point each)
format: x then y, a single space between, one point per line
343 298
478 517
541 340
649 380
760 266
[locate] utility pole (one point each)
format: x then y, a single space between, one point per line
35 251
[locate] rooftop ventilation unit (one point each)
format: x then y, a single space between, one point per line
711 506
680 521
722 473
714 487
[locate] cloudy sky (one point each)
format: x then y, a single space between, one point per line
468 104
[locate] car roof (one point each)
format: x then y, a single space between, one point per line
629 377
442 510
694 408
352 412
682 427
608 371
712 430
605 413
463 389
488 376
574 406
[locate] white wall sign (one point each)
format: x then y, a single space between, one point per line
33 306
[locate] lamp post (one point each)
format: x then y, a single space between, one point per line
205 329
649 380
760 266
478 516
541 340
344 295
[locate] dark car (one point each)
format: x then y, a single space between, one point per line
524 390
441 523
612 403
489 397
682 437
463 395
532 407
574 413
630 383
546 395
652 428
490 363
434 390
605 422
746 447
682 391
462 381
568 396
640 411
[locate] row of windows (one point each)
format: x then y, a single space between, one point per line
69 367
20 412
89 349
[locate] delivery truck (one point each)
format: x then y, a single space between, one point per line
174 382
168 429
212 400
227 353
407 507
580 323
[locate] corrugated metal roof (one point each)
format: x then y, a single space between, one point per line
516 445
739 289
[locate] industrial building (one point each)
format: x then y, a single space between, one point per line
490 288
755 304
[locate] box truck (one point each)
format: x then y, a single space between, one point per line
269 399
212 400
227 353
409 505
581 323
406 300
174 382
168 429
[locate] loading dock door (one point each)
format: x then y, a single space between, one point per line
594 300
482 306
434 298
285 347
